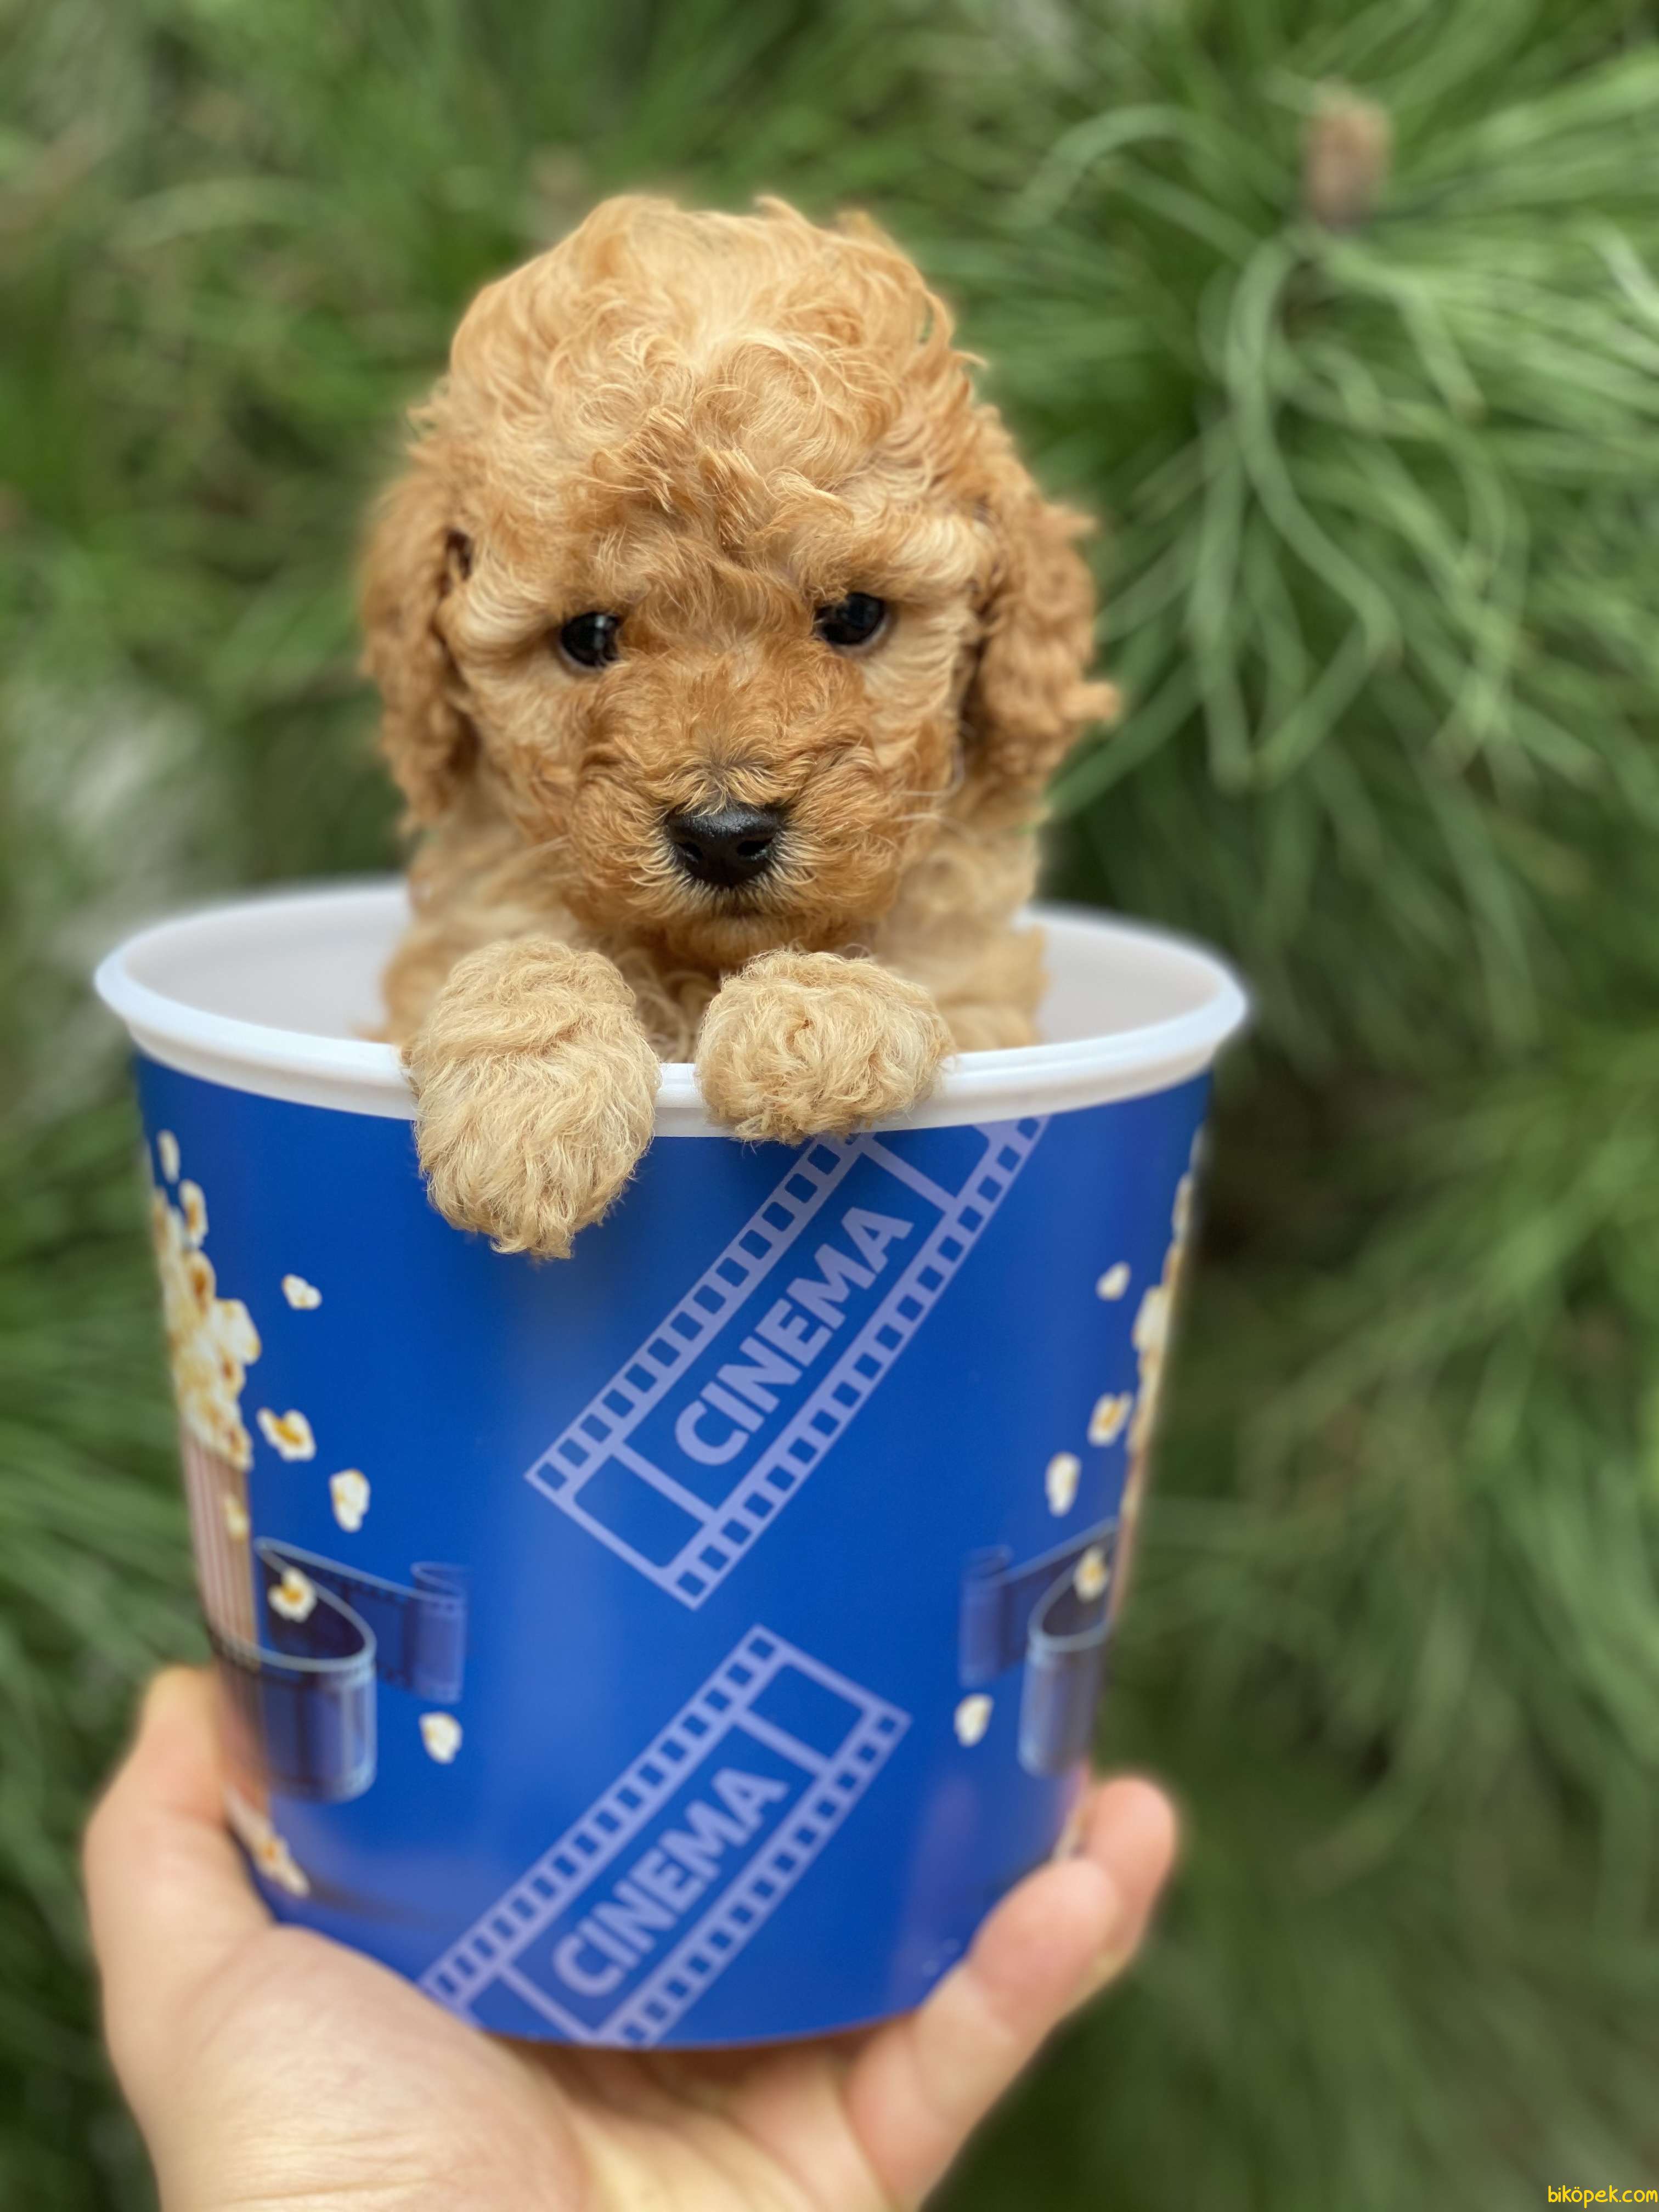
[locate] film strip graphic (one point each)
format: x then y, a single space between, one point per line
617 1929
302 1687
680 1463
1051 1617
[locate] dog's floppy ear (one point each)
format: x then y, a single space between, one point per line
1027 699
414 556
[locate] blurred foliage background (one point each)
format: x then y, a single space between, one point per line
1344 318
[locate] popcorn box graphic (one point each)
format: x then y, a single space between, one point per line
690 1642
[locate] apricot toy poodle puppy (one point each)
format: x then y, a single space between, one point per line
726 647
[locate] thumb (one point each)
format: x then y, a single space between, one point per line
168 1896
922 2082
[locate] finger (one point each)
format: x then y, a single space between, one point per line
1130 1827
168 1896
922 2084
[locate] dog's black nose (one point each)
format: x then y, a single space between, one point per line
732 845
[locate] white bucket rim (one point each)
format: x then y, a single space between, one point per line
357 1074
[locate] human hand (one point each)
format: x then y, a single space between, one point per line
271 2069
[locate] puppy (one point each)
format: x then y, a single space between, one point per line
726 647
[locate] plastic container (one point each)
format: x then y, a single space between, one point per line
688 1642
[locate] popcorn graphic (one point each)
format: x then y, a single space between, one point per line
1114 1283
1181 1216
302 1296
194 1208
277 1863
1089 1579
1152 1328
233 1333
441 1735
1059 1481
236 1520
211 1341
294 1597
1151 1336
264 1846
972 1717
1107 1421
199 1278
1154 1320
348 1492
167 1152
288 1434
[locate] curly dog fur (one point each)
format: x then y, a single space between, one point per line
709 427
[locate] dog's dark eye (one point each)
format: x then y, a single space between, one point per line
590 639
852 620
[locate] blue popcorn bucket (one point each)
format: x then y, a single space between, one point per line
688 1642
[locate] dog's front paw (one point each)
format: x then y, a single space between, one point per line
535 1091
804 1044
